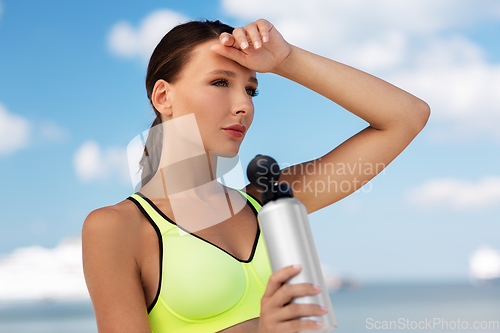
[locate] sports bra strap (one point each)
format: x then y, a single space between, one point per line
151 214
254 202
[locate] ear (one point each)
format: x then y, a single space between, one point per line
162 97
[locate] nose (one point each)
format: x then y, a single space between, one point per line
243 104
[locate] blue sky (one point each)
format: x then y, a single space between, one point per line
72 90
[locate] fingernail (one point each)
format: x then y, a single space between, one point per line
297 266
324 309
317 287
244 45
318 323
257 44
224 40
264 39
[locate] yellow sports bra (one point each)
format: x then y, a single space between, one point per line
202 287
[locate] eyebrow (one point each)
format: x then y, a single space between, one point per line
252 79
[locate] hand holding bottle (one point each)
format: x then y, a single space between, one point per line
278 314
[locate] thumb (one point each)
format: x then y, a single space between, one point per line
229 52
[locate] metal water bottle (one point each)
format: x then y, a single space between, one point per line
288 237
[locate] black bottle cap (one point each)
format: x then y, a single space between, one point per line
263 172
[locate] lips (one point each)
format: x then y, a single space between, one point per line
237 127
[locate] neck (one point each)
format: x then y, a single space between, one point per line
186 169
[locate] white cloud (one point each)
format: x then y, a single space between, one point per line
17 132
93 163
362 16
457 194
37 273
406 42
14 132
459 85
130 42
332 26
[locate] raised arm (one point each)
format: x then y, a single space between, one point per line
111 273
381 104
395 118
394 115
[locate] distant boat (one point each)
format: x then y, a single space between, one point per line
484 266
335 282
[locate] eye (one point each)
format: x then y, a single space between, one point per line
221 83
252 91
224 83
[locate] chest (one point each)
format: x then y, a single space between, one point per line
212 268
234 233
210 277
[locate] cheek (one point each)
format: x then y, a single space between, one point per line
252 116
210 111
209 105
212 107
249 118
203 99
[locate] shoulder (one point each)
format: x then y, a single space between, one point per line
111 241
112 217
112 226
253 191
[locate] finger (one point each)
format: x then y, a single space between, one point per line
277 279
297 311
254 35
289 291
264 27
229 52
299 325
240 36
226 39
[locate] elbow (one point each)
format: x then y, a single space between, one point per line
420 113
425 112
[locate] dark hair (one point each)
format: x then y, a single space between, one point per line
168 58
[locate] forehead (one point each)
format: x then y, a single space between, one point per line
202 60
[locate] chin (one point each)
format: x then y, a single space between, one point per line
226 153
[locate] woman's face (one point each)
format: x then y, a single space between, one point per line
219 93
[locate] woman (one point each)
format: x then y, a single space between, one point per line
146 270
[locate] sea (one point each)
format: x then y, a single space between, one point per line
375 307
